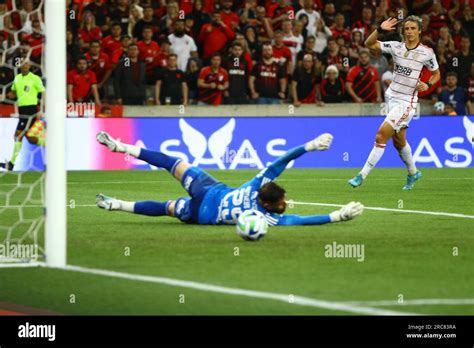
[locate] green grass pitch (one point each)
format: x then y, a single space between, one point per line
406 254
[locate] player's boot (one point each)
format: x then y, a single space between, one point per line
411 179
321 143
114 145
7 166
356 180
106 202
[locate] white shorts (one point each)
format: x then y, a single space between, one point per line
400 113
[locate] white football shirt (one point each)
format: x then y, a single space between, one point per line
182 47
408 64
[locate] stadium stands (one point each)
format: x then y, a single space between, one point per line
326 32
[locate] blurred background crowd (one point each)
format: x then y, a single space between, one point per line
210 52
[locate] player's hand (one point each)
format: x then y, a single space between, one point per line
351 210
119 101
212 85
421 86
157 102
297 103
281 95
347 212
358 100
254 95
321 143
390 24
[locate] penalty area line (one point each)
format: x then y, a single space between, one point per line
416 302
297 300
422 212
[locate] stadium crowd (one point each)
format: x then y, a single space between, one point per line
210 52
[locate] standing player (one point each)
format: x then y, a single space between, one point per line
213 202
26 87
409 56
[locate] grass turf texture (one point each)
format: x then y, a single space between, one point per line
407 254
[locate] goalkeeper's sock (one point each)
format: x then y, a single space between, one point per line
159 159
151 208
16 151
407 158
375 155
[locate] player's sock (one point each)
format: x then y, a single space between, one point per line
151 208
407 158
16 151
375 155
159 159
123 206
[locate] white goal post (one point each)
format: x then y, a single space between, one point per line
55 113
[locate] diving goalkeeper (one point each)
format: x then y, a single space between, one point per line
212 202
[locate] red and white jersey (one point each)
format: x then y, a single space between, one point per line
408 64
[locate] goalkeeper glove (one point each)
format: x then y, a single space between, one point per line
322 142
347 212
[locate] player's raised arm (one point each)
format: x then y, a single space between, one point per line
389 25
347 212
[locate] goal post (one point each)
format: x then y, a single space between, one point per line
55 113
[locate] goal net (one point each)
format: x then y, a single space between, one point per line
32 199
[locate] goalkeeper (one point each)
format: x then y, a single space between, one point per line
26 87
212 202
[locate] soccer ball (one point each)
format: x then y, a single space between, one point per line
439 106
252 225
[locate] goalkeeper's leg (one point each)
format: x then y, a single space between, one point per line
174 165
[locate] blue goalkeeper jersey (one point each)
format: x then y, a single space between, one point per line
222 204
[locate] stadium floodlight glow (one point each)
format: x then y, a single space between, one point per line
55 112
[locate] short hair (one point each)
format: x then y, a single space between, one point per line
95 41
271 192
147 27
173 55
115 24
133 44
217 54
452 73
81 58
237 44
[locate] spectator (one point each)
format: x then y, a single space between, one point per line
113 41
305 82
35 40
100 64
72 49
331 56
366 21
268 81
449 110
149 51
121 52
339 28
121 14
263 28
357 43
88 30
214 36
171 88
136 14
362 81
299 29
130 78
162 58
457 34
248 14
237 68
213 81
329 13
252 40
309 48
438 18
470 92
332 86
461 64
172 15
229 17
247 53
100 10
148 20
291 41
467 21
454 94
282 54
199 17
82 84
182 45
308 10
279 12
321 32
192 75
446 39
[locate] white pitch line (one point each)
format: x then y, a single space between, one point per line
423 212
298 300
416 302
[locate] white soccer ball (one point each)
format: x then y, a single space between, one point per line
252 225
439 106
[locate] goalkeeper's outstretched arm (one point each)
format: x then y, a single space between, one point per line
347 212
321 143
